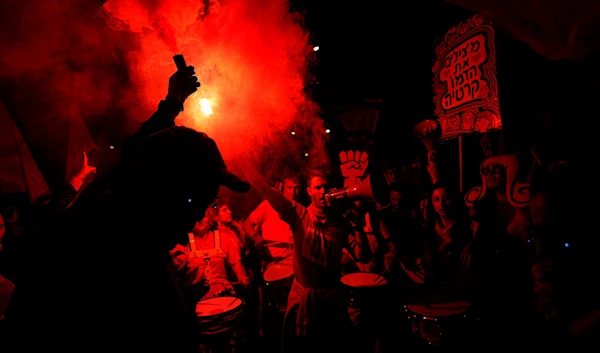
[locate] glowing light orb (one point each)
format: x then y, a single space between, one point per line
205 106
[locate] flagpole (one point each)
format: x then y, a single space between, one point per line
460 163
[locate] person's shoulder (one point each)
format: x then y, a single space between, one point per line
300 208
227 234
225 231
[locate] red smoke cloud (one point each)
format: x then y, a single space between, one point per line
252 58
110 67
57 64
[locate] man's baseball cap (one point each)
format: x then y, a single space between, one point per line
187 150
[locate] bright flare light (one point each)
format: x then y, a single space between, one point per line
205 107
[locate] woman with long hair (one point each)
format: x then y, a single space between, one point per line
202 264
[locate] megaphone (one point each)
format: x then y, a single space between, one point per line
358 192
375 187
428 131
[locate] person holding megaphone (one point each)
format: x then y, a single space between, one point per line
317 318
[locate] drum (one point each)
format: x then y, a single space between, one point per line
363 287
278 278
219 315
444 323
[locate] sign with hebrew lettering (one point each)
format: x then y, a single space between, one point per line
465 85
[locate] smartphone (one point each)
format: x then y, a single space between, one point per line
180 62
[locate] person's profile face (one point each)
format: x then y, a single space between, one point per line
224 214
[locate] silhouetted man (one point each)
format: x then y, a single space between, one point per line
99 277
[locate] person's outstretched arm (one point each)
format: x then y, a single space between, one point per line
279 202
181 85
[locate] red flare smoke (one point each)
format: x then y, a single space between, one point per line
61 60
252 58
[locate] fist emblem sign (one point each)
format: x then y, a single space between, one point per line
353 165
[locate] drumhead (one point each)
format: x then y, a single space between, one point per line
440 309
363 279
217 305
279 270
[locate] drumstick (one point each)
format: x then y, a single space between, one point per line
380 275
233 301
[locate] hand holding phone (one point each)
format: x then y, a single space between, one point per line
183 82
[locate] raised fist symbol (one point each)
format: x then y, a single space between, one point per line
353 165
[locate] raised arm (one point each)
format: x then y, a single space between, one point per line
64 196
78 180
279 202
181 85
163 117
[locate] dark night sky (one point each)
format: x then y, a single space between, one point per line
379 50
368 51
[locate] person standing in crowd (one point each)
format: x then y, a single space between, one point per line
207 277
267 223
209 265
22 221
316 317
272 239
99 272
251 328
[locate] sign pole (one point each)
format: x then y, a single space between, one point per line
460 162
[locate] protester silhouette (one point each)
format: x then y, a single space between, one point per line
99 275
